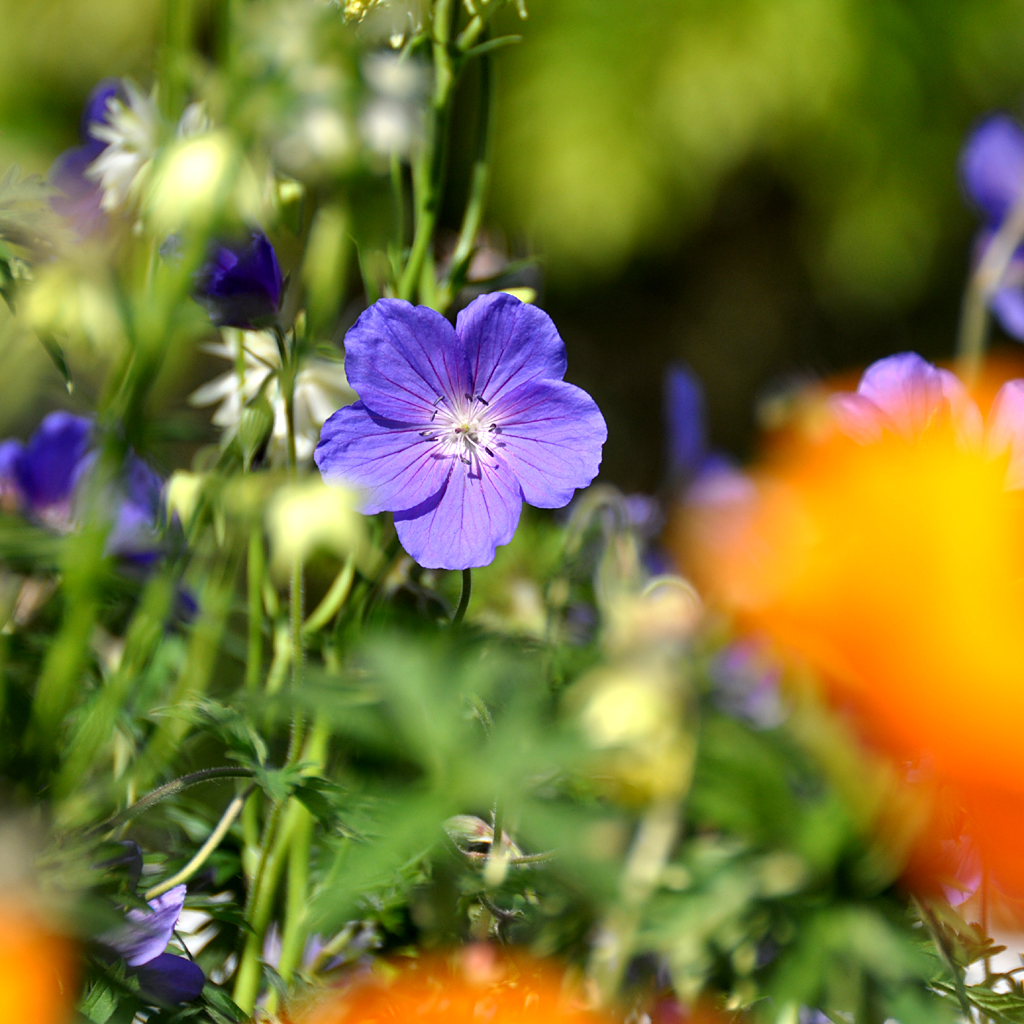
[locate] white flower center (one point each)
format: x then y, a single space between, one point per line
463 429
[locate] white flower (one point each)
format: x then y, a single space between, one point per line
392 120
321 388
132 132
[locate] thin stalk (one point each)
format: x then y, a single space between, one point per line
433 160
652 845
227 820
258 908
476 202
982 285
174 52
467 593
945 954
255 569
296 926
332 600
171 789
398 194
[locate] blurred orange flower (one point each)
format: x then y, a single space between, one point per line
884 547
476 988
36 969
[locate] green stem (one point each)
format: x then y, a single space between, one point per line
478 188
296 927
467 593
983 283
227 820
652 845
433 162
256 568
332 600
174 55
171 789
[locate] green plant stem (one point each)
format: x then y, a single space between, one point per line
945 955
296 928
256 569
174 51
332 600
982 285
171 789
216 836
258 909
655 836
467 593
429 179
476 202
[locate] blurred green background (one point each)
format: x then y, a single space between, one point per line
765 189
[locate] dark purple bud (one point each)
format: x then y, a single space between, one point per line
171 979
992 166
241 284
684 418
50 464
130 858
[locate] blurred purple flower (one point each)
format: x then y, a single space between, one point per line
78 197
141 941
241 283
992 174
904 393
41 478
456 428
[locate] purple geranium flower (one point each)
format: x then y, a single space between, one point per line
141 941
457 427
241 284
992 173
78 197
41 479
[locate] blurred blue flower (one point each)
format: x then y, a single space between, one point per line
41 478
456 428
142 940
79 198
241 283
992 173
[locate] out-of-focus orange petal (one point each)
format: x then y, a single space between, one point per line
37 970
476 988
896 570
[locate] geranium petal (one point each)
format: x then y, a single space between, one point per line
907 388
858 417
171 979
146 933
401 358
48 468
477 511
684 417
1006 431
551 435
395 467
992 166
1008 306
508 343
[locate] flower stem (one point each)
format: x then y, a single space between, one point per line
478 187
172 789
982 285
432 163
655 836
467 592
255 571
227 820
